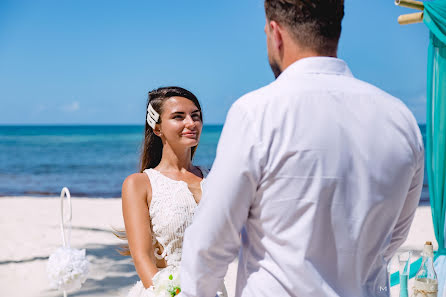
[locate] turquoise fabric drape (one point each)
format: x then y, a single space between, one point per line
435 20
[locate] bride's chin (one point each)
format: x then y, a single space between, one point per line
193 143
188 143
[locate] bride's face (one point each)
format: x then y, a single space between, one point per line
180 122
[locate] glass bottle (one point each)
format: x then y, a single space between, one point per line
426 283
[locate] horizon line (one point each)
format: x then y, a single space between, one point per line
100 124
85 124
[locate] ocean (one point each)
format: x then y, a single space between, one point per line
92 161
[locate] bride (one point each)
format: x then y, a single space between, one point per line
158 204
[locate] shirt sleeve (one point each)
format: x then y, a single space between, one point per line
407 214
213 239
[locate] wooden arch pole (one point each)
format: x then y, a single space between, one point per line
411 18
410 4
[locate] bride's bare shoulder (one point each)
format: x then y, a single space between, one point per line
136 185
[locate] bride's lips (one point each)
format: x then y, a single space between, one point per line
190 134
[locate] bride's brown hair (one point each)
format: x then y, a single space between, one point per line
152 146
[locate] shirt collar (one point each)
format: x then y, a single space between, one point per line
318 65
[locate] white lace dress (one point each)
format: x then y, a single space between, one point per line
171 211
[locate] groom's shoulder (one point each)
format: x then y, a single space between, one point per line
394 110
254 100
388 101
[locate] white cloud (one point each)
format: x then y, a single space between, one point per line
72 107
40 108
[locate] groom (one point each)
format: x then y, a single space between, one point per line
317 175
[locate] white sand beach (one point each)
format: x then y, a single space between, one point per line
30 232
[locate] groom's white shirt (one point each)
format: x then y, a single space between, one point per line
321 173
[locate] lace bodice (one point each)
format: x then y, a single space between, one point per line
171 211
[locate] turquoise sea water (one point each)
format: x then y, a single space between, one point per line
90 160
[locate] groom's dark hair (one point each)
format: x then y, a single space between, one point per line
315 24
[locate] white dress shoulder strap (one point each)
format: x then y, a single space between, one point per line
149 173
152 178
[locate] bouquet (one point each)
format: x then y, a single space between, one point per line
166 283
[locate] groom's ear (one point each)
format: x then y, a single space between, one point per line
276 31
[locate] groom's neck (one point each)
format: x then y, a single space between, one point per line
293 51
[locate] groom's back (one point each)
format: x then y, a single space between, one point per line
341 179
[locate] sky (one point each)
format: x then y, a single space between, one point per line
93 62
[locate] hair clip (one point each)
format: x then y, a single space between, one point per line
152 116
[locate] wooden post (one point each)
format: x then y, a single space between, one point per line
410 18
410 4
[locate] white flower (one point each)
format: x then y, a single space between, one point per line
67 269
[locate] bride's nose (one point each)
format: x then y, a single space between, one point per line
189 121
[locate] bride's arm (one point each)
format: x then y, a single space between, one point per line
136 196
